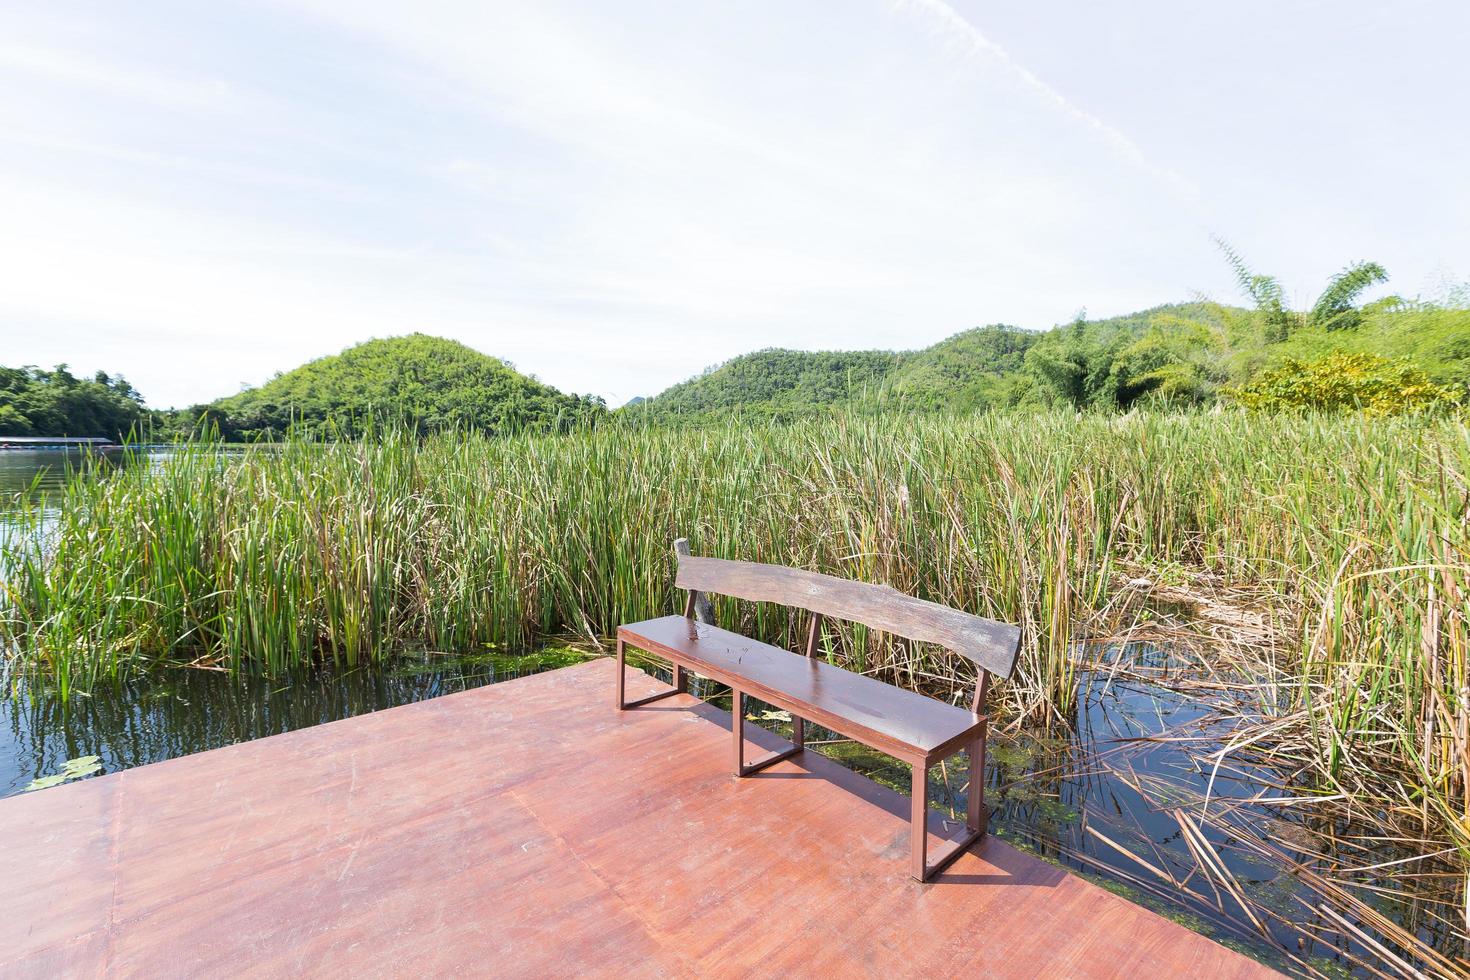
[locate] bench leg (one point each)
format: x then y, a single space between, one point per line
622 657
919 818
737 724
976 816
681 683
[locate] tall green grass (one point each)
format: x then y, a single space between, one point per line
351 551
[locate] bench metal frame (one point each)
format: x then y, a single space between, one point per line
986 645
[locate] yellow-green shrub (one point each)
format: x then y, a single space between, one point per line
1347 382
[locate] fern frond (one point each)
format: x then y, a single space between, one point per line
1335 308
1264 291
1243 274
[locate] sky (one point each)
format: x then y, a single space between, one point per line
614 196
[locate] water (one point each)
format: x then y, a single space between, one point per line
181 711
34 474
46 469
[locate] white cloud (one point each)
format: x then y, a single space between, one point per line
968 37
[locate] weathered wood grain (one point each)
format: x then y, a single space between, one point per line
990 644
699 604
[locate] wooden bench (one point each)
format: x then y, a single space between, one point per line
916 729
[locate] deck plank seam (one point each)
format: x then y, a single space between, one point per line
650 928
114 853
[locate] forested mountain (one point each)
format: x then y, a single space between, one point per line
986 367
427 382
970 370
35 402
777 382
1404 355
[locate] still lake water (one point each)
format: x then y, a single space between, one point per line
178 712
1125 797
46 469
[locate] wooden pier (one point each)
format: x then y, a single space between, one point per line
529 829
55 442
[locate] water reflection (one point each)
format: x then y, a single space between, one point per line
41 470
181 711
33 475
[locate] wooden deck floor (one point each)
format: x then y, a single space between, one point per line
530 829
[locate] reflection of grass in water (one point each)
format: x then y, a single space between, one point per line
1017 760
1278 892
498 664
1045 810
175 712
1012 758
880 768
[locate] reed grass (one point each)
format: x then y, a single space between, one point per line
349 552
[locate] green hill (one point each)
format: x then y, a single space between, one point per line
967 370
970 370
776 382
1177 354
428 382
985 367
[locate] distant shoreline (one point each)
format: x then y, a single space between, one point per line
56 442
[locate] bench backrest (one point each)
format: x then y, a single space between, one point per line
991 645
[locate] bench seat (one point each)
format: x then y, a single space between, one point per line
903 723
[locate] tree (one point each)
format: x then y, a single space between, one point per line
1335 309
1175 363
1265 292
12 423
57 403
